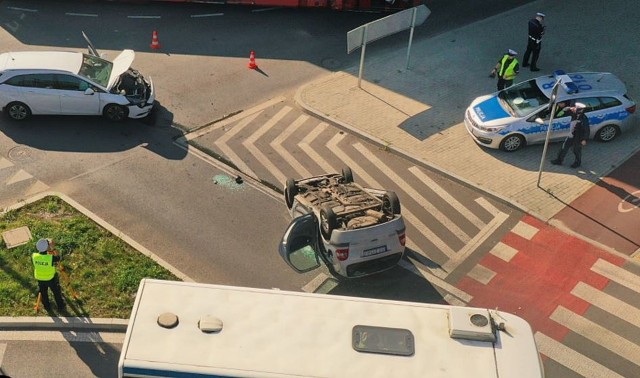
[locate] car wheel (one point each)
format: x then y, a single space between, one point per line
512 143
607 133
290 191
18 111
328 222
115 112
347 175
390 203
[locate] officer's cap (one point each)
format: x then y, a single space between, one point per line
42 245
540 14
580 106
512 52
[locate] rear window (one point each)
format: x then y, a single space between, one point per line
609 102
33 81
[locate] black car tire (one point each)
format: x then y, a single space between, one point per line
328 222
290 191
17 111
347 175
390 203
115 112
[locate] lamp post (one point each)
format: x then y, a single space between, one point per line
554 94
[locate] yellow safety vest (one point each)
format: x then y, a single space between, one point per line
43 269
508 72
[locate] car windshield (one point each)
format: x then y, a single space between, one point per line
523 98
96 69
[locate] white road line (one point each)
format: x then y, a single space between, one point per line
305 145
82 14
22 9
498 219
147 17
265 9
571 359
609 303
452 290
21 175
437 214
597 333
524 230
37 187
481 274
261 157
503 251
315 283
617 274
276 144
86 337
207 15
447 197
228 152
4 163
371 182
3 348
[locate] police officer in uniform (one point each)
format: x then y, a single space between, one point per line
45 272
507 69
577 137
536 30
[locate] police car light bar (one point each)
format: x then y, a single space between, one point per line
565 81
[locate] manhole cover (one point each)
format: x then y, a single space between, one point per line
330 63
22 154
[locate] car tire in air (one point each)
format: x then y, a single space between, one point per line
290 191
328 222
347 175
390 203
18 111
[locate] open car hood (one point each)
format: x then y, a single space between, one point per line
120 65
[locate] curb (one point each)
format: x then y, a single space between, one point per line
63 323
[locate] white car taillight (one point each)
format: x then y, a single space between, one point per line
342 253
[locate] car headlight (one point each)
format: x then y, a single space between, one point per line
492 129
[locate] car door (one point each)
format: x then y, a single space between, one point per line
40 93
299 244
77 96
560 129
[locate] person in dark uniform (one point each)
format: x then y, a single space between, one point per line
507 69
534 44
577 137
44 270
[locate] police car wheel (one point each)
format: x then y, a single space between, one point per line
512 143
607 133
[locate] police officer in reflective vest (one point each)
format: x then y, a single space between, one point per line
44 271
534 42
507 69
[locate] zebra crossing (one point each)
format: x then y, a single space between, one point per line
584 308
17 184
274 141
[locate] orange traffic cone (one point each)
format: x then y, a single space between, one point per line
155 44
252 60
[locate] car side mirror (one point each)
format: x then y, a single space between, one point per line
89 91
539 121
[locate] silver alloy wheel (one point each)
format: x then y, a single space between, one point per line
512 143
607 133
18 112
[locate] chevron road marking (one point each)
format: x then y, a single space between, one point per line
597 333
4 163
447 197
264 160
227 151
276 144
371 182
617 274
439 216
305 145
436 281
607 302
21 175
571 359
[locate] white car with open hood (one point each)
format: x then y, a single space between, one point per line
73 83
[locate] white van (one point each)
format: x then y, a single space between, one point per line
180 329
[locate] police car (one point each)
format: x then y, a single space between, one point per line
511 118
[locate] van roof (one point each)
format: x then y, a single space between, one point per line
273 333
37 60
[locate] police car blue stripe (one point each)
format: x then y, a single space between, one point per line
490 109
